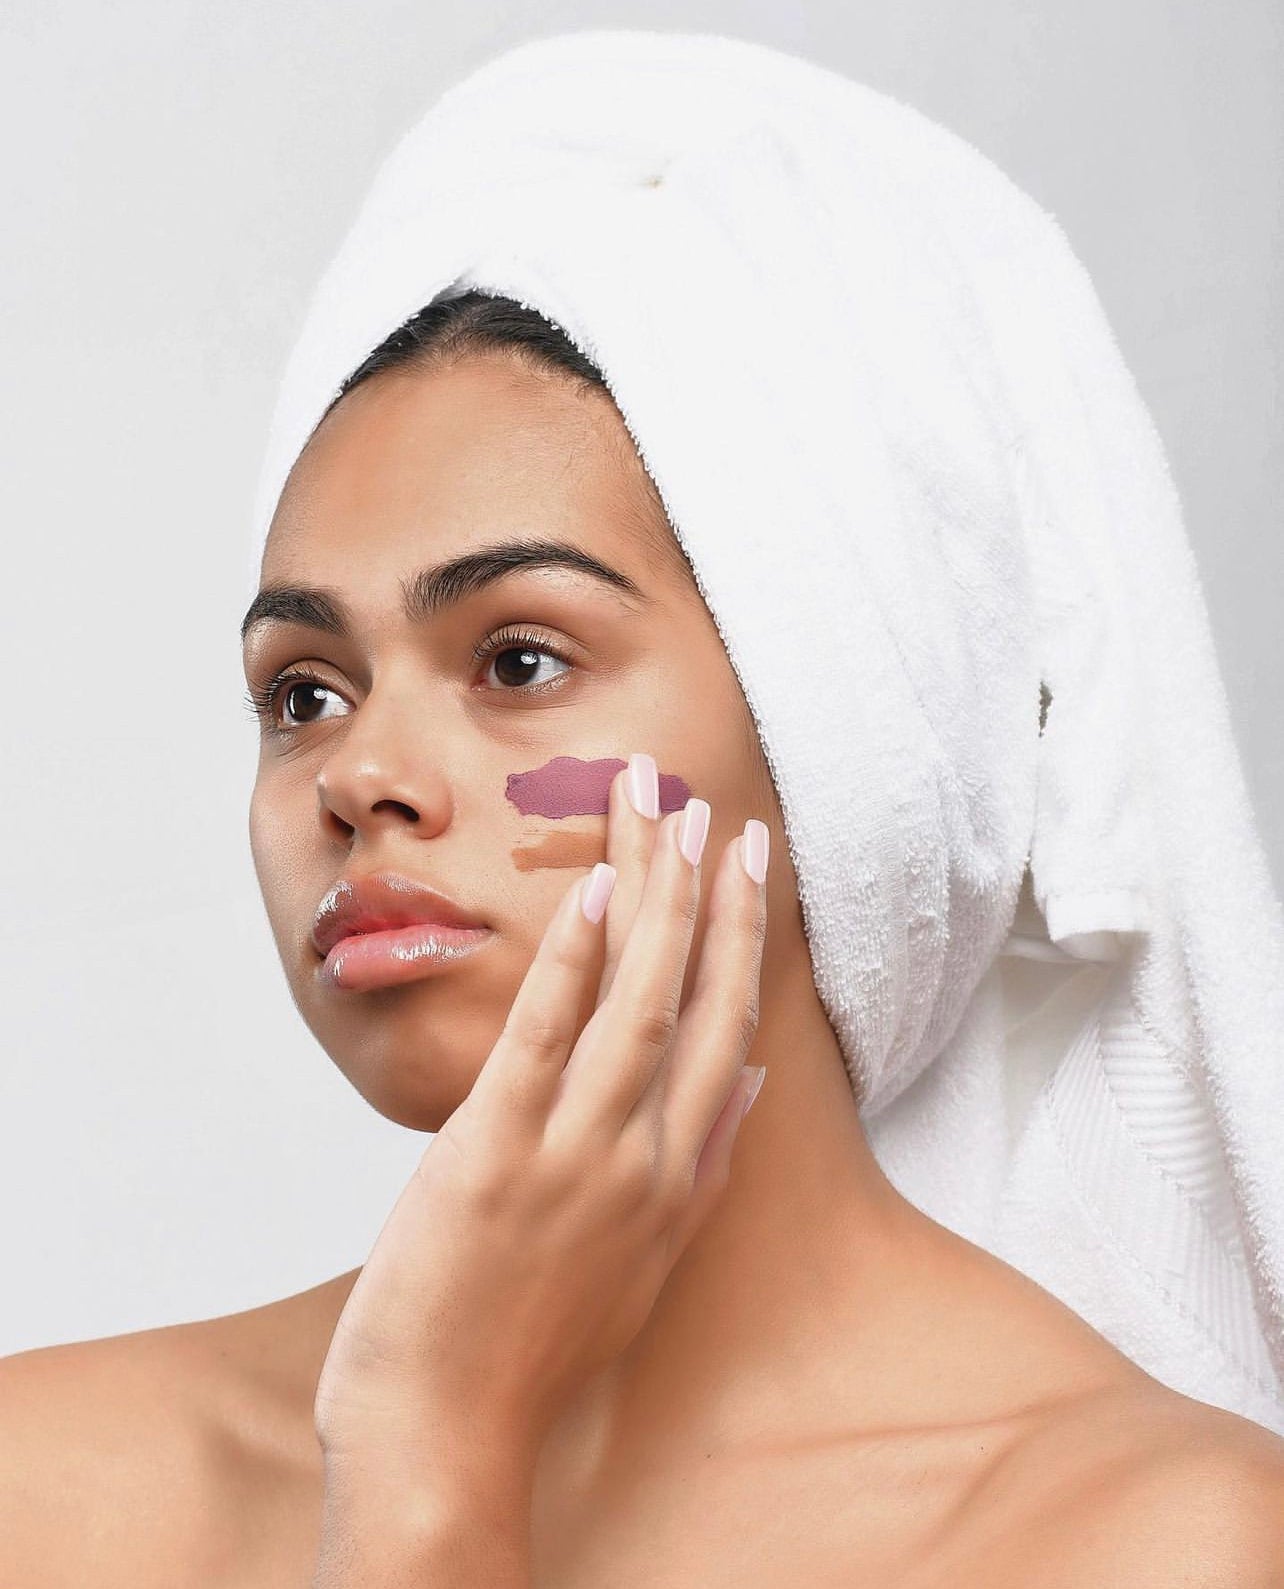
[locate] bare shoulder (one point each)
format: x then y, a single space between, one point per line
140 1459
104 1471
1160 1490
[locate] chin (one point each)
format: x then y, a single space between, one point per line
412 1052
407 1071
420 1095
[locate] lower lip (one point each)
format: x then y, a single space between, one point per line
403 954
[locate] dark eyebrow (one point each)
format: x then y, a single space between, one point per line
430 590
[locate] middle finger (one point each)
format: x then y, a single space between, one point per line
627 1038
633 816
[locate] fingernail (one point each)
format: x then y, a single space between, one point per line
694 829
758 1073
644 785
754 846
595 890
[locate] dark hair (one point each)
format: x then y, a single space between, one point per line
478 322
469 323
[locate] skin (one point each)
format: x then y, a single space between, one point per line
831 1386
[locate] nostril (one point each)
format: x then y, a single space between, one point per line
400 806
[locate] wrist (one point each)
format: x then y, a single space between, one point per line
432 1455
430 1443
386 1522
421 1484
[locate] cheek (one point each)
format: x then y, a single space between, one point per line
568 787
266 825
279 846
557 850
259 848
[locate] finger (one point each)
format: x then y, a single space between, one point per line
713 1168
519 1080
628 1036
717 1027
633 818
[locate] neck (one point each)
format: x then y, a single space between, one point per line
791 1308
815 1302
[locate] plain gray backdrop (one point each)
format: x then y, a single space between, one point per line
173 1142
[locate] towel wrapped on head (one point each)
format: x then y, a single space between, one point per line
934 524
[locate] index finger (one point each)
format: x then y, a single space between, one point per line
518 1082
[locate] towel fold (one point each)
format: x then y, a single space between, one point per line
922 498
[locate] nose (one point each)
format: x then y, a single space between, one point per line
385 771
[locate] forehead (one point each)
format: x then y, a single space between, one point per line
441 458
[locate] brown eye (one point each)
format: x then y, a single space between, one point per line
300 693
519 661
303 697
518 667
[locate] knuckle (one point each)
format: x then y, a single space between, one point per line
562 1161
753 923
565 955
635 1182
639 1158
489 1189
652 1026
477 1175
541 1037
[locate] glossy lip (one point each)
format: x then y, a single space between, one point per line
381 901
365 961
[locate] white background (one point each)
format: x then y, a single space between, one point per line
173 1142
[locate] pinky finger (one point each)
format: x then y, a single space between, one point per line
713 1167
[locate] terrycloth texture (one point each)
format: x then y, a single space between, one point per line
915 480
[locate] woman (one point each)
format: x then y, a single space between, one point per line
484 665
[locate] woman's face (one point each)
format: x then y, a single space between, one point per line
416 742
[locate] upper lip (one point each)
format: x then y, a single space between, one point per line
379 902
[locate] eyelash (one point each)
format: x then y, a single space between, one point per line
260 699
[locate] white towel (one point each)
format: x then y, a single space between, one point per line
916 482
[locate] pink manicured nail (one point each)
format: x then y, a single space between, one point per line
758 1074
595 890
694 829
644 785
754 846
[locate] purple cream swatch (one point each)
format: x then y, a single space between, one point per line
569 787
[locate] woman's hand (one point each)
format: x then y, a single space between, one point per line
540 1224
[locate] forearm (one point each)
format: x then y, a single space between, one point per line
379 1534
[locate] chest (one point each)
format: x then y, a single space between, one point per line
901 1519
902 1516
